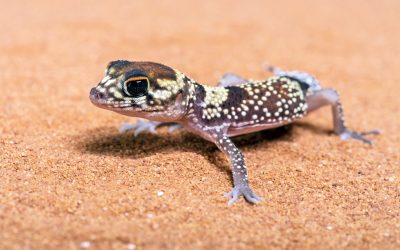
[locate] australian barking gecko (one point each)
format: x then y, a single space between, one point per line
236 106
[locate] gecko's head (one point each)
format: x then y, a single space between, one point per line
142 89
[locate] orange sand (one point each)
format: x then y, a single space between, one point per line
69 180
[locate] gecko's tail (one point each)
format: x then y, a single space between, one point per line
307 81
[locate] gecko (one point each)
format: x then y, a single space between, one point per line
234 107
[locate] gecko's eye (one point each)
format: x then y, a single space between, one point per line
136 86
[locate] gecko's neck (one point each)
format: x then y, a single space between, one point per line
203 98
189 95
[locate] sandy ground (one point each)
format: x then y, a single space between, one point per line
70 180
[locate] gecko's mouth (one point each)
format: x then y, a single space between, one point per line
103 101
114 104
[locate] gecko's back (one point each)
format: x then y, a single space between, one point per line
255 104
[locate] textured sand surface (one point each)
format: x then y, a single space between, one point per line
70 180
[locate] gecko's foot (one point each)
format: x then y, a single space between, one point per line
303 77
229 79
140 126
348 134
246 191
148 126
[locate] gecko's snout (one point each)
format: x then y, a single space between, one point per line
95 94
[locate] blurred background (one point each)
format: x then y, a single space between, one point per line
55 192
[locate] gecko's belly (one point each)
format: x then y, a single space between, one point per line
235 131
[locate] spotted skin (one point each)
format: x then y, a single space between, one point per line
237 106
274 101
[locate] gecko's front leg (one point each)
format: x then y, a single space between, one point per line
239 170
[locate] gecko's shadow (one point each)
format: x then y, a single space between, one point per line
107 141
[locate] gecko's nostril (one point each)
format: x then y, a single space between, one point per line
99 95
95 94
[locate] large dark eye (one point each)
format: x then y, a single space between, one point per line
136 86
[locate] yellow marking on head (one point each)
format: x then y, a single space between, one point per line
105 79
118 95
109 82
161 94
173 85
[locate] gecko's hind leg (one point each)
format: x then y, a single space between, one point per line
148 126
229 79
331 97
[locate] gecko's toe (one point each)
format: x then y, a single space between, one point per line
246 191
174 127
233 200
140 126
252 197
229 194
359 136
234 194
372 132
140 130
125 127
